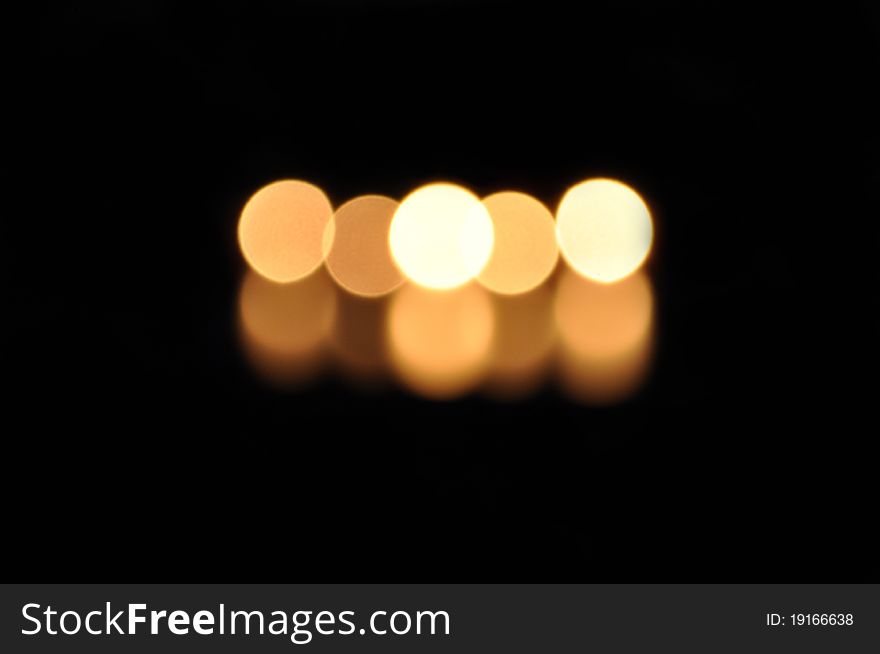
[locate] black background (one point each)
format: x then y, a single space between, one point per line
139 445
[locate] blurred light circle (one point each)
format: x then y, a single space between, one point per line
356 242
525 250
441 236
604 229
281 230
605 333
358 339
440 343
523 344
285 327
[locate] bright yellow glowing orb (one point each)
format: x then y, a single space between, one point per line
440 343
356 242
525 251
281 230
604 229
441 236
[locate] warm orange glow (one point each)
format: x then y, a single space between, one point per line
441 236
358 340
525 334
440 343
604 229
605 332
358 256
525 251
285 327
281 229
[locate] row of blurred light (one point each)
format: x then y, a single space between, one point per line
448 293
441 236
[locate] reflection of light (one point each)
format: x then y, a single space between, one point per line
281 229
605 332
525 334
357 239
525 249
604 229
441 236
358 339
284 327
440 342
